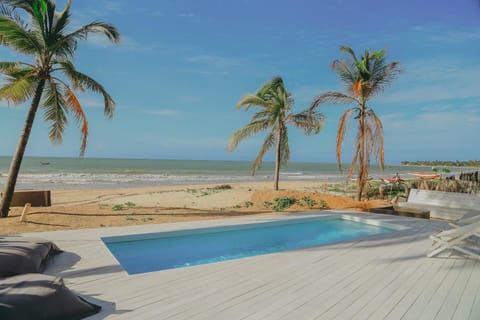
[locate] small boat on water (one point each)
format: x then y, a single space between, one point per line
45 163
426 175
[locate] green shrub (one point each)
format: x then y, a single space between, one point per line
324 204
223 187
309 202
283 203
118 207
248 204
268 204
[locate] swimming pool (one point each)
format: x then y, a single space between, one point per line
168 250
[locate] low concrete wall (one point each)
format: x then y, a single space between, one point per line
37 198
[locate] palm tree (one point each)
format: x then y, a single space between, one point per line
364 78
275 114
46 38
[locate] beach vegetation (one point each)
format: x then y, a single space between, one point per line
309 202
223 187
364 78
123 206
50 80
208 191
245 204
118 207
282 203
324 204
248 204
268 204
275 105
437 163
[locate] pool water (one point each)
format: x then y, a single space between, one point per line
167 250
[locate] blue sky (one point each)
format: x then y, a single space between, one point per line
182 66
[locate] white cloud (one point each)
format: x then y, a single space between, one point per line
91 103
434 80
455 36
126 43
442 135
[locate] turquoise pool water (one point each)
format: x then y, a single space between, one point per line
167 250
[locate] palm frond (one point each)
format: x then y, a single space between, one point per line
342 128
356 153
62 19
18 90
284 147
250 100
82 81
72 103
15 36
377 136
266 146
275 85
246 132
346 70
263 114
54 106
82 34
347 49
11 13
311 122
9 67
332 97
383 75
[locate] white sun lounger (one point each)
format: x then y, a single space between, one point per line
463 239
469 219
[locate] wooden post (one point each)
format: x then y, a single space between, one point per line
23 218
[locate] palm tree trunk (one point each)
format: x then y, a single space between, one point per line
277 158
18 156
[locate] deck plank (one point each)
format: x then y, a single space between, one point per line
381 277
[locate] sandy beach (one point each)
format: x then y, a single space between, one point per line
96 208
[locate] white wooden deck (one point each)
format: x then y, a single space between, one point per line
380 277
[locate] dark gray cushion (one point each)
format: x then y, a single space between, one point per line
20 255
39 296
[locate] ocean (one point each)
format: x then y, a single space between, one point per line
84 173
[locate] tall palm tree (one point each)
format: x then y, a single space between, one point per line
51 78
275 114
364 78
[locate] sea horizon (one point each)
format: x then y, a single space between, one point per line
83 173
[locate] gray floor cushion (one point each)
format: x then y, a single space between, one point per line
20 255
39 296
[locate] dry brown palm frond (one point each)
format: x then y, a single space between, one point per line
72 103
342 128
357 88
369 138
358 151
378 140
332 97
